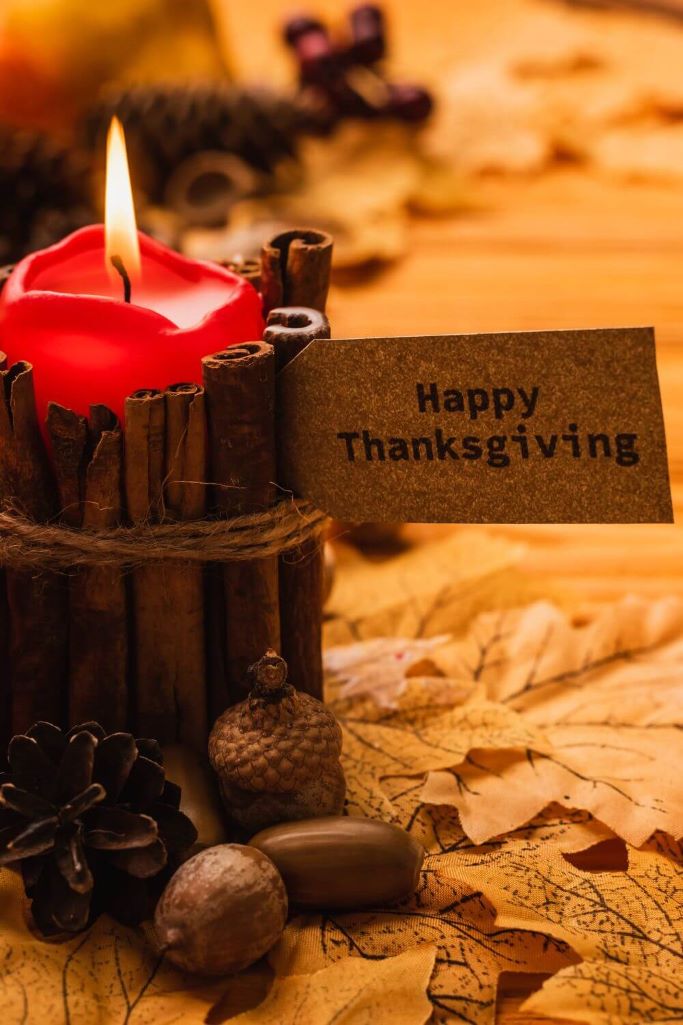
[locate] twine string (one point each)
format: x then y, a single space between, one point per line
25 544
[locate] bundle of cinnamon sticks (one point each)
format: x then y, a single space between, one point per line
161 649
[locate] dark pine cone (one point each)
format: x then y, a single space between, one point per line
44 192
167 124
93 821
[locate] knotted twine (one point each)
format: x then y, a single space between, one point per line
25 544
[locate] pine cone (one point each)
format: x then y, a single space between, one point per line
277 753
167 124
44 192
93 821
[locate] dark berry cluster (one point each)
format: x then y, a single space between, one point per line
346 72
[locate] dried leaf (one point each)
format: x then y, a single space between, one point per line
627 927
630 782
380 667
439 829
419 737
621 667
471 951
427 590
362 992
107 975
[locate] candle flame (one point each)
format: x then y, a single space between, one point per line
120 229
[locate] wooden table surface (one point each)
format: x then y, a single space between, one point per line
566 249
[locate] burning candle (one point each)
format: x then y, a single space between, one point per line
108 310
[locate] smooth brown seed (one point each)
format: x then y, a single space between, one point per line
343 862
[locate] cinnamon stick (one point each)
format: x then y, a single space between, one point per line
144 466
240 390
249 269
36 601
295 269
87 458
182 645
302 572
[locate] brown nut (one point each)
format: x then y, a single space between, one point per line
343 862
221 911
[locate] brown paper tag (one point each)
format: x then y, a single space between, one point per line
531 427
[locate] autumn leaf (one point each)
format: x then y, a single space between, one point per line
471 950
108 974
622 667
420 735
627 926
439 829
535 710
391 989
627 781
380 668
428 589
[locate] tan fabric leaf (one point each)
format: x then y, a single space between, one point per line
439 830
352 991
627 926
623 666
419 738
630 782
471 951
107 975
426 590
380 668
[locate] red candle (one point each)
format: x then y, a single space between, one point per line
63 309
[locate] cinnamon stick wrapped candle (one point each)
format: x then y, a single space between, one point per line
36 601
240 389
184 650
88 467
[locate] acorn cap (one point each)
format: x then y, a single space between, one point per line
278 739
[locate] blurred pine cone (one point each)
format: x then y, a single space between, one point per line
167 124
93 822
44 192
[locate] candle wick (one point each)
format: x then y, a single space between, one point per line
119 266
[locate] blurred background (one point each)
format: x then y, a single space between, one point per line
498 165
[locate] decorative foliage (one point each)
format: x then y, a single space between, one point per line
471 950
360 991
533 710
627 927
426 590
509 753
107 975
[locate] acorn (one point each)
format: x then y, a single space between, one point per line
276 754
343 862
221 911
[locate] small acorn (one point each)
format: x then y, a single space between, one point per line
221 911
343 862
276 754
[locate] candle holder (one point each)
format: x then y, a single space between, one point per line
144 567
